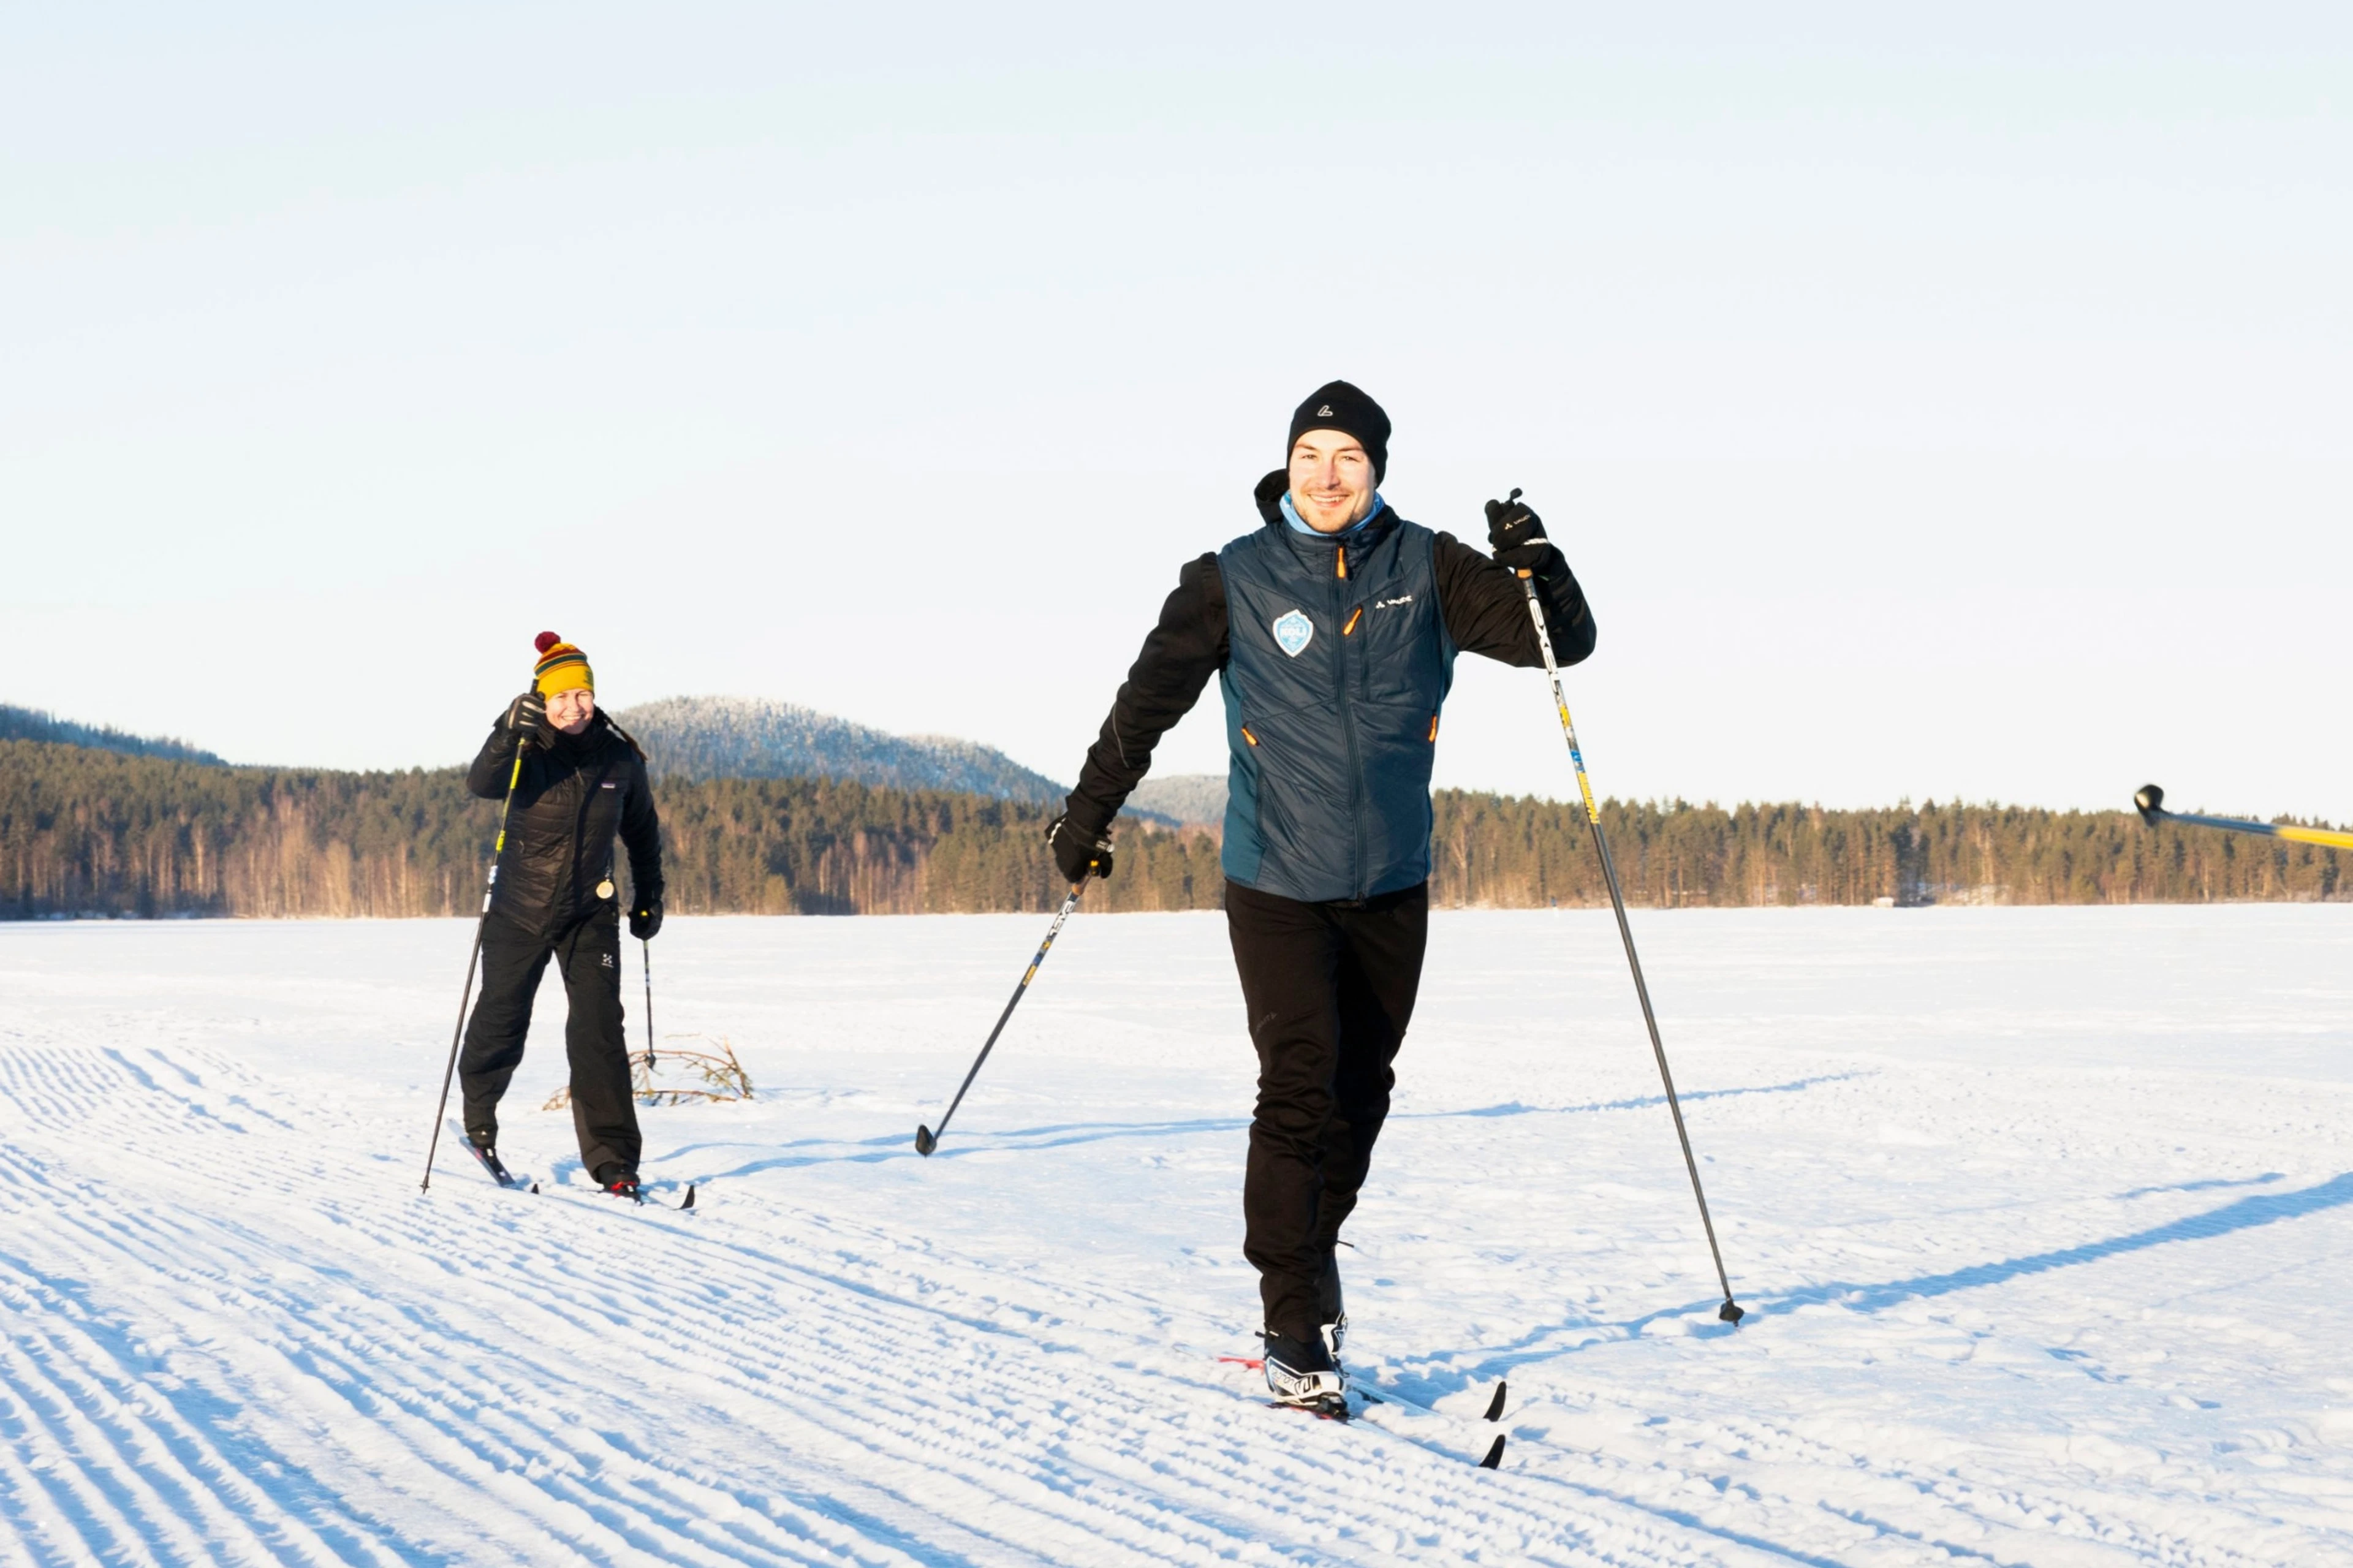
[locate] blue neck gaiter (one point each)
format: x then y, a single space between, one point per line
1299 524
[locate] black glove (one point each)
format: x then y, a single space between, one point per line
527 716
1077 857
1516 535
644 921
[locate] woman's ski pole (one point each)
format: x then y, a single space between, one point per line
925 1138
514 777
1729 1312
647 945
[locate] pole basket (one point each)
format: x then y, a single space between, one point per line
688 1077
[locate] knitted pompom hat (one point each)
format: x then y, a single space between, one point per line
560 668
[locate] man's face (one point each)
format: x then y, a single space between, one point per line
1331 480
571 710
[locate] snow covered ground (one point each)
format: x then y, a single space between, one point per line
2045 1217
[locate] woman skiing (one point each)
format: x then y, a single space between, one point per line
582 782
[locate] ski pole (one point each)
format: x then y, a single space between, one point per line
647 943
514 777
631 741
925 1138
1728 1312
2150 801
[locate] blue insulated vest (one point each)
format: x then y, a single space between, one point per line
1338 664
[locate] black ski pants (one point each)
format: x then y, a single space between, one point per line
588 956
1329 989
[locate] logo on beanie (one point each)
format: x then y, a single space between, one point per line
1324 412
1293 632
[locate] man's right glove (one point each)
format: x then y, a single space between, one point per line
1075 854
527 716
1516 535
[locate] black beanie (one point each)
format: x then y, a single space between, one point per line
1337 406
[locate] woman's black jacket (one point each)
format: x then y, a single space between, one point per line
576 793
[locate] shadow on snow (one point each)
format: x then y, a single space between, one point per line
1060 1135
2244 1214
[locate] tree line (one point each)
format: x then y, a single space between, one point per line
38 724
91 832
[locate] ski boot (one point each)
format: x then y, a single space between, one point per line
1302 1376
619 1182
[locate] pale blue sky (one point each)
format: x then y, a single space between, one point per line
1931 406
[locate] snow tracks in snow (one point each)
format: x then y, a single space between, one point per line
237 1334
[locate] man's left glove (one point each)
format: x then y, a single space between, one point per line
1516 535
1076 854
644 921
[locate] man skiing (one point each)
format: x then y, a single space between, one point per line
582 781
1333 630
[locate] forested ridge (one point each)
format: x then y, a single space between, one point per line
36 725
88 831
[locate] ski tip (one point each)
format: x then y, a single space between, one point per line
1495 1405
1494 1460
689 1198
534 1187
924 1142
1730 1313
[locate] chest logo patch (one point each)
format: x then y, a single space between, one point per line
1293 632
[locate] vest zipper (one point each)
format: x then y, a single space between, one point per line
1359 853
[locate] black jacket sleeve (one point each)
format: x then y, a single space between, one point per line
641 835
495 764
1486 609
1182 652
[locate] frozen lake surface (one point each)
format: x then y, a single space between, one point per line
2044 1218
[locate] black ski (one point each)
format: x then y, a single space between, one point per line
1494 1458
495 1168
488 1159
637 1197
682 1206
1338 1410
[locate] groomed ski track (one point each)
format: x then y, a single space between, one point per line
236 1333
625 1384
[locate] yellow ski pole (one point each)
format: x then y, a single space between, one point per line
514 777
1729 1312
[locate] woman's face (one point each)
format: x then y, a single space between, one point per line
571 710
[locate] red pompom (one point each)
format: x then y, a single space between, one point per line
545 641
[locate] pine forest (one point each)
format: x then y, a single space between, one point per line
92 832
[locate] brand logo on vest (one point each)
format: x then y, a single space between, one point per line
1293 632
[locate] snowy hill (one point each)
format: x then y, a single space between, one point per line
2042 1217
752 738
1193 799
32 725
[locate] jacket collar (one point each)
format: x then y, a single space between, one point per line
585 744
1357 537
